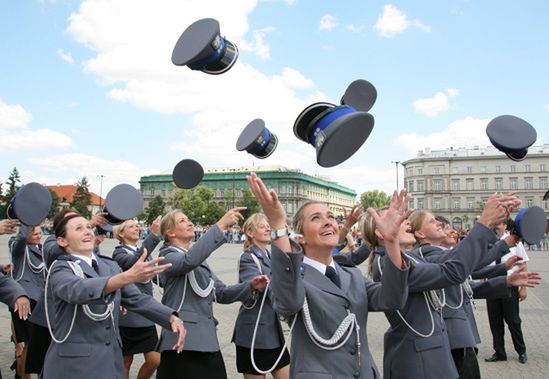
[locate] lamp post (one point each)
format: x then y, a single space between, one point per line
101 191
396 168
234 174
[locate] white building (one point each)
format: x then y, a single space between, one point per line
456 183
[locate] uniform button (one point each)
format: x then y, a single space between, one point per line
209 303
353 351
490 245
91 294
108 327
209 317
108 343
287 269
356 374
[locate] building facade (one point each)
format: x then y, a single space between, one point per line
456 183
292 186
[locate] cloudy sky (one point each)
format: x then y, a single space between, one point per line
88 87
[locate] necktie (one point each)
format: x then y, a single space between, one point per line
95 266
332 275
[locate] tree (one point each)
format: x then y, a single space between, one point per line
54 204
199 205
374 199
156 208
13 184
82 198
248 200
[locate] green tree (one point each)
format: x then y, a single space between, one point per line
54 204
13 184
156 208
199 205
374 199
248 200
82 198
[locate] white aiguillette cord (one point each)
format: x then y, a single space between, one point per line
77 270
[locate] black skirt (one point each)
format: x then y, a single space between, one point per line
39 342
191 365
22 328
138 340
264 359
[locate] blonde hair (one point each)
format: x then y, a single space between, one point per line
416 221
368 227
168 223
297 222
117 229
251 225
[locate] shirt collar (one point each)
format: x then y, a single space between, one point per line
85 258
320 267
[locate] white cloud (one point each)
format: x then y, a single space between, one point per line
546 106
327 22
74 166
16 136
354 28
135 65
393 21
432 106
67 57
258 45
13 116
467 132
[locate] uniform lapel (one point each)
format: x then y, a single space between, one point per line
86 268
261 255
344 278
313 276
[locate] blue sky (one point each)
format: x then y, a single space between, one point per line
88 88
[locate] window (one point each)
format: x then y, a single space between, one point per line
470 203
456 203
455 184
543 182
513 168
410 186
484 184
527 167
469 169
420 170
437 185
420 203
436 170
545 204
498 168
499 184
529 202
542 167
437 204
529 183
513 183
469 184
411 171
411 203
420 185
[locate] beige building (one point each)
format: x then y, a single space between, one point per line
456 182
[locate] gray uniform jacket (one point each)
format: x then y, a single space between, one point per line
353 258
10 290
93 348
22 270
460 323
126 257
406 354
196 311
269 332
329 304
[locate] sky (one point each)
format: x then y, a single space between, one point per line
87 88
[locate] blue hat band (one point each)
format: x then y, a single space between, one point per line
198 65
327 120
517 221
263 144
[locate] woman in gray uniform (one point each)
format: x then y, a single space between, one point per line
191 287
87 292
268 351
329 303
138 334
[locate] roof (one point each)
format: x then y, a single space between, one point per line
67 192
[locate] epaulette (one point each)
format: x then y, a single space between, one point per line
64 257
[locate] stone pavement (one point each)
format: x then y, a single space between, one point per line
534 314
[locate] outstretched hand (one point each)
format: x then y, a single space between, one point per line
143 270
352 216
523 278
259 282
389 223
268 200
232 217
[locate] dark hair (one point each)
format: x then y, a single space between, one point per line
442 219
61 215
61 227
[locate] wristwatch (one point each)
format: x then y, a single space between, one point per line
278 233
